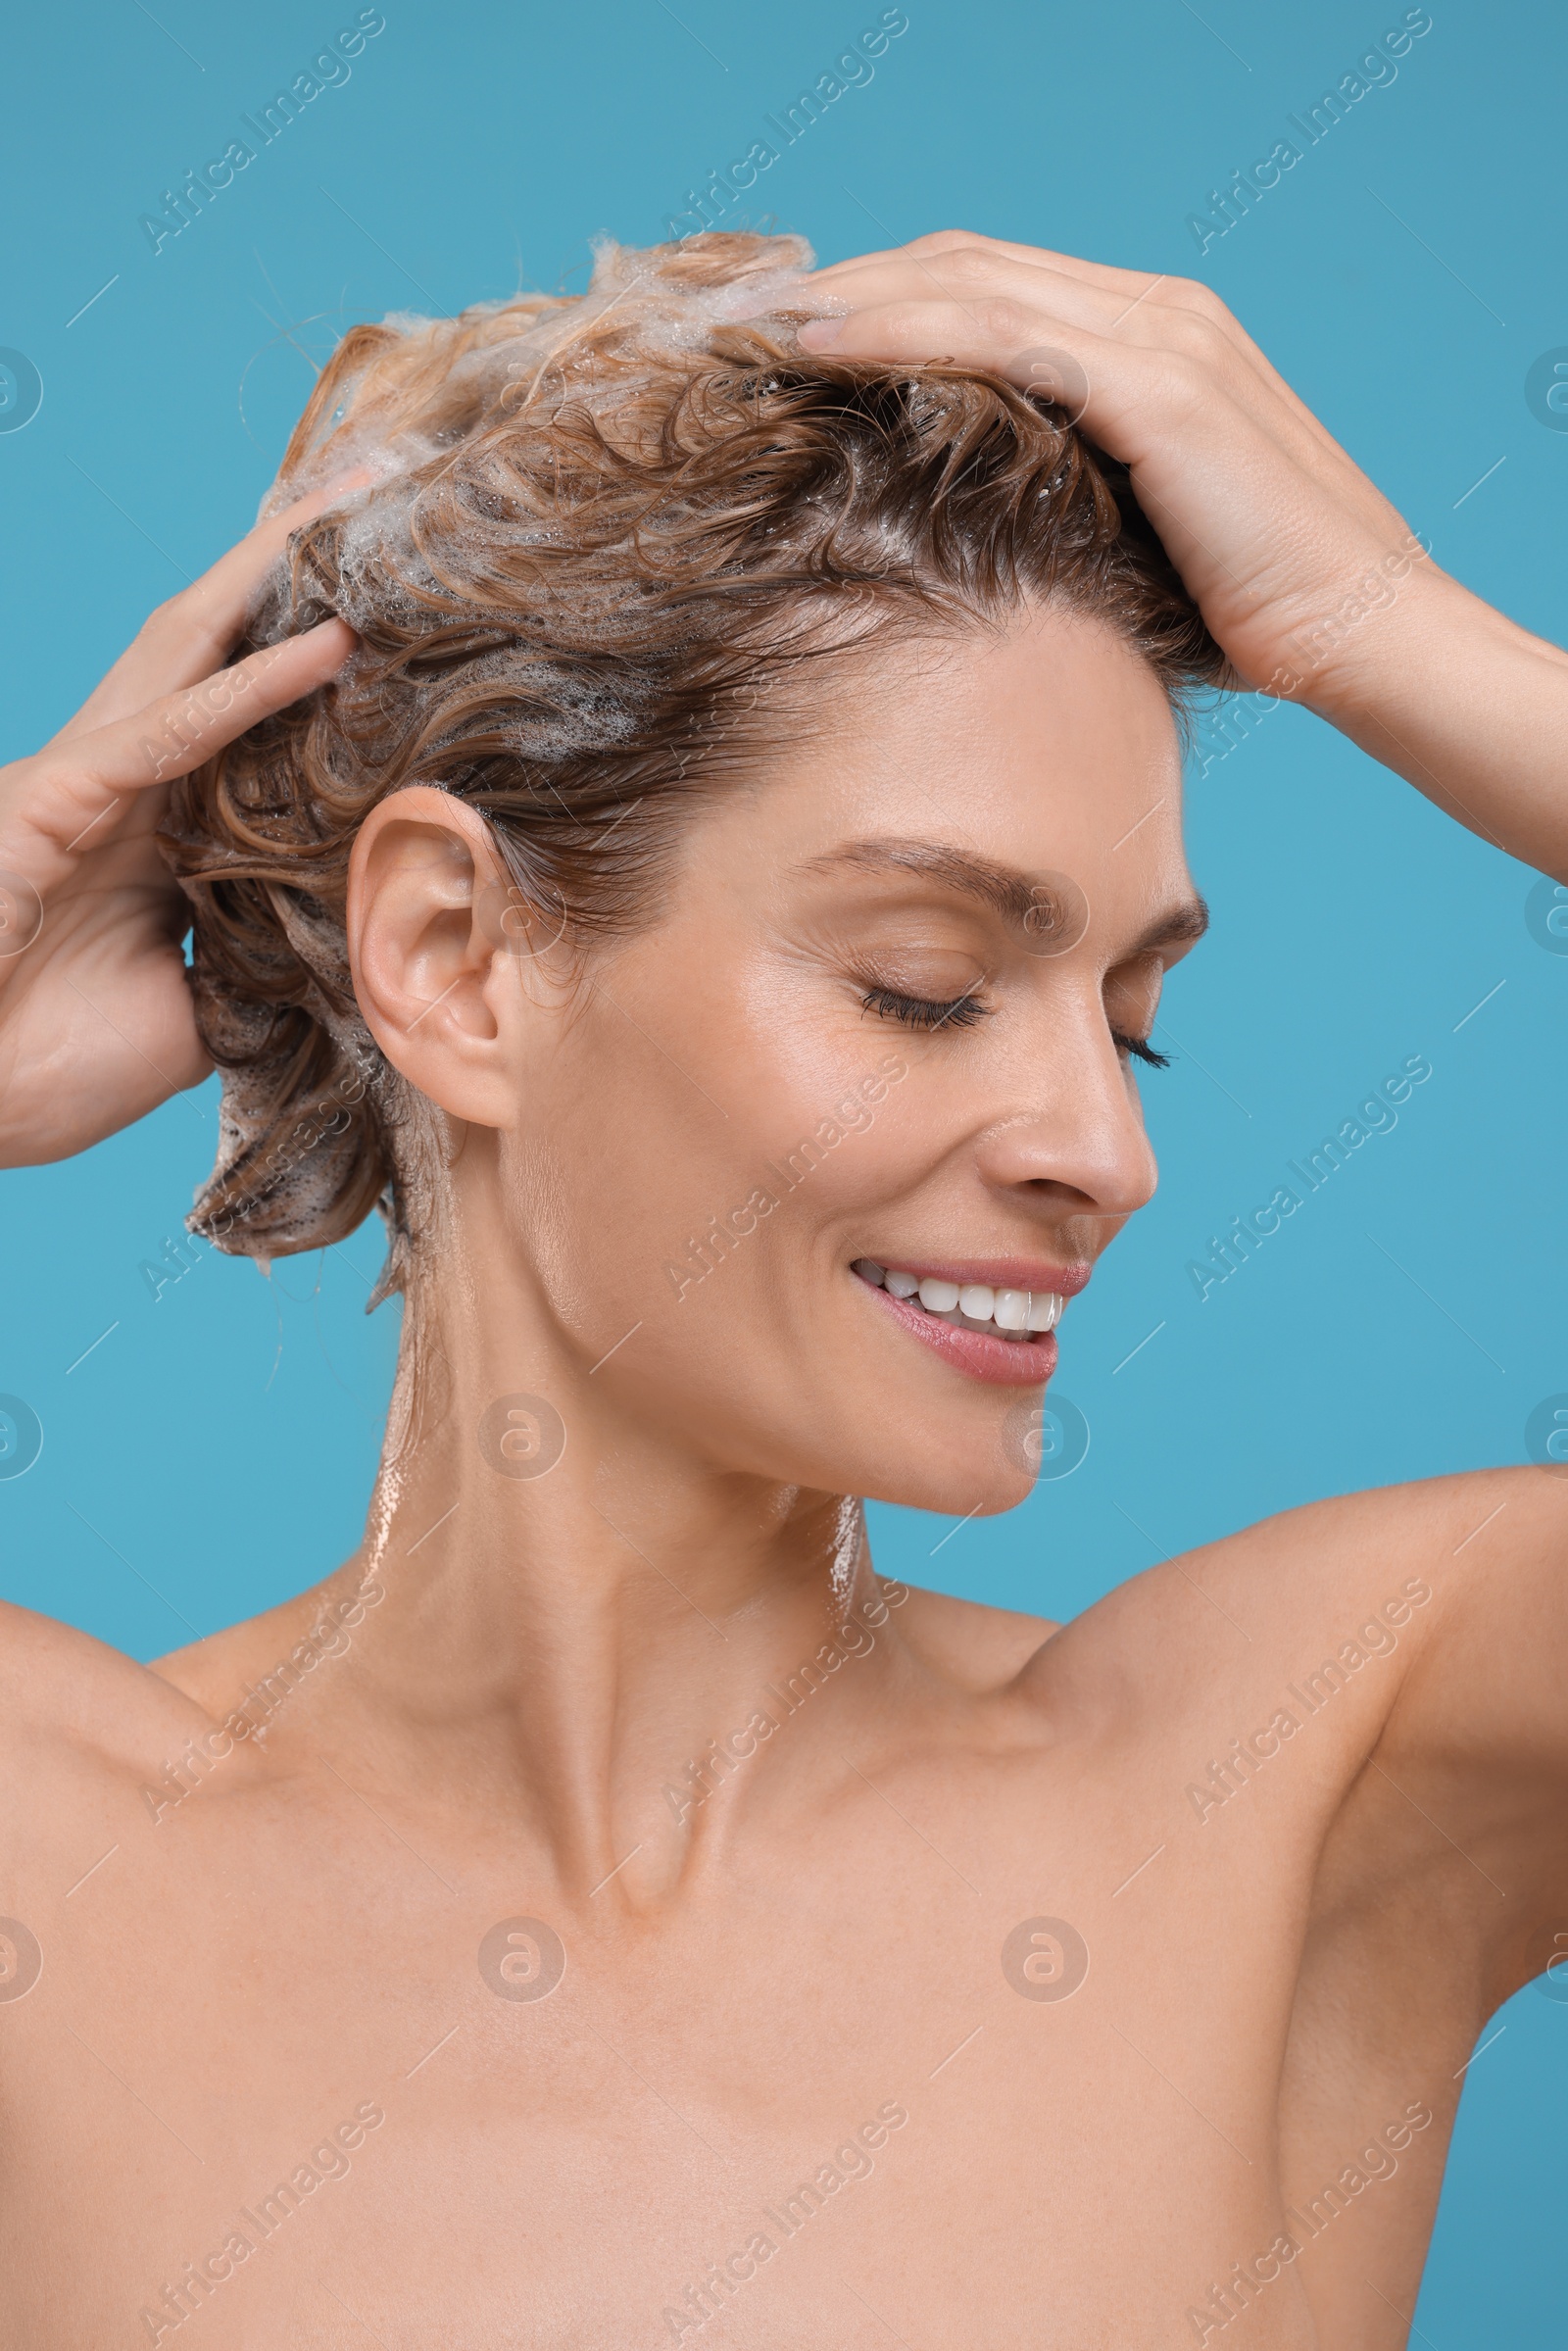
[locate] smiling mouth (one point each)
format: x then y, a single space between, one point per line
1021 1317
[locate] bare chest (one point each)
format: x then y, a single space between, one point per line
936 2077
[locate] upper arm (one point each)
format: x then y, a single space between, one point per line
1477 1737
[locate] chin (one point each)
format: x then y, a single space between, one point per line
952 1492
973 1455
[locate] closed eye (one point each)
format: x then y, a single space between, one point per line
967 1013
1141 1050
924 1011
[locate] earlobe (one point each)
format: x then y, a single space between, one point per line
425 973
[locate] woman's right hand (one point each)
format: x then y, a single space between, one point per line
96 1019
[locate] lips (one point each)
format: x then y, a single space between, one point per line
998 1330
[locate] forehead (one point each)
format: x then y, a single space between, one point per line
1045 744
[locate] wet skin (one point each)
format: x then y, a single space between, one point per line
829 1956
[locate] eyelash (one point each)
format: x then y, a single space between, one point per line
964 1012
922 1012
1141 1050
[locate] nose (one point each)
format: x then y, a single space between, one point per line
1075 1142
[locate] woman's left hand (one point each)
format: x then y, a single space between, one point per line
1277 534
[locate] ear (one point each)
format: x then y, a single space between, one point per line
432 913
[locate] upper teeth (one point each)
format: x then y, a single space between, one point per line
1013 1313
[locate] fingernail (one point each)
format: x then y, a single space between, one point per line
819 335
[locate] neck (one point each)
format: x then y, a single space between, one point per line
604 1642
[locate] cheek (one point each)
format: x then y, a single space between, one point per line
698 1155
619 1157
654 1123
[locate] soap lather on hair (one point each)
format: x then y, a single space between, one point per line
612 550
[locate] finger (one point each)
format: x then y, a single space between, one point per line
62 805
213 610
181 641
1134 290
1127 283
1126 286
1129 302
1204 332
996 336
1121 408
1105 275
968 276
833 271
1137 402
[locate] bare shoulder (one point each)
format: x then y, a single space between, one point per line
77 1717
1440 1541
1392 1591
61 1686
1438 1517
1308 1577
1305 1566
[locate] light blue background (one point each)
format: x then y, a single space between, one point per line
214 1451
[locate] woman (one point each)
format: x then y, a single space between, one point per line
704 857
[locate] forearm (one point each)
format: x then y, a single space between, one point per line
1467 707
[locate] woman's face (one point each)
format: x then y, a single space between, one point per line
874 1026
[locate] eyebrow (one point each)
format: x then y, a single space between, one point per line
1001 887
